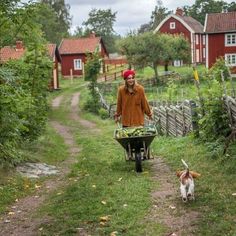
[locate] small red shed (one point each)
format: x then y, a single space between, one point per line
54 55
178 23
220 29
73 53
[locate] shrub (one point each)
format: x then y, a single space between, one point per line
103 113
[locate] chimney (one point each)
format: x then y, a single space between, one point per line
19 46
179 12
92 34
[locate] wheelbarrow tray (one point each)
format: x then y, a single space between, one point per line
136 142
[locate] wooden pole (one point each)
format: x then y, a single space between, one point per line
71 76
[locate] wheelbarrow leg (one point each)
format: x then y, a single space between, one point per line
138 161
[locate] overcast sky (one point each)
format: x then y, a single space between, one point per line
130 13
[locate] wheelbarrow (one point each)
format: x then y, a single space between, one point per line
137 148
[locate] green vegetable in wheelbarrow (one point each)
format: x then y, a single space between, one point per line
135 132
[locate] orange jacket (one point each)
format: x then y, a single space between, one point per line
132 106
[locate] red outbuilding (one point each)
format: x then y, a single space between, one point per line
15 53
178 23
73 53
220 29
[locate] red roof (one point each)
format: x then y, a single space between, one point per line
220 22
7 53
79 46
194 24
51 49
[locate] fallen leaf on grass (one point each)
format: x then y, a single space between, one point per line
104 218
120 179
102 223
37 186
233 194
94 186
172 207
114 233
104 202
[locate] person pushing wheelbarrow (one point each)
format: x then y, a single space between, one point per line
132 106
132 103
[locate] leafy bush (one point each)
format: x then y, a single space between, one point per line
103 113
215 123
218 68
23 102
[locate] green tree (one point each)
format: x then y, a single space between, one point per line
150 49
92 68
158 15
201 7
63 16
47 18
102 22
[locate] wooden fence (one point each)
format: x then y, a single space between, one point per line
176 119
230 105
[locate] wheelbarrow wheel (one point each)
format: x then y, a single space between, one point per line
138 162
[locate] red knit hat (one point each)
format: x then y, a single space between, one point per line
127 73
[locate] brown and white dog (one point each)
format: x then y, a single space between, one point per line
186 182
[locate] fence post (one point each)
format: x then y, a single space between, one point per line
194 117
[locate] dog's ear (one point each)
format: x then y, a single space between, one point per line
195 174
179 173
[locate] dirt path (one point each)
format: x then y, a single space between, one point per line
20 219
167 206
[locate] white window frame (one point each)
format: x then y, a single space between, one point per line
77 64
197 55
204 52
203 39
172 25
230 59
197 39
230 39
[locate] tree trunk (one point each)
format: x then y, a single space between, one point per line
166 66
156 73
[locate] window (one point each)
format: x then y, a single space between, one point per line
77 64
204 53
204 39
172 25
230 59
230 39
197 39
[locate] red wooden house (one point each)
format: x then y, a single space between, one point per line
15 53
73 53
220 29
178 23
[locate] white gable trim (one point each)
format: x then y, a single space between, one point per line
178 19
205 23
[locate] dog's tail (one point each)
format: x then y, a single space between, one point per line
185 164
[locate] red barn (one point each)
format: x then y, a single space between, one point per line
73 53
15 53
220 29
178 23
